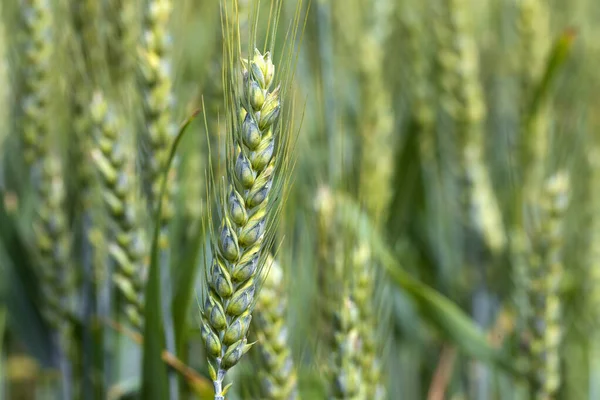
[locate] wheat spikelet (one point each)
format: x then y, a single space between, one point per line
38 52
276 372
246 211
462 98
545 274
126 244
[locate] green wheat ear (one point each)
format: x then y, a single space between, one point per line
38 52
363 294
157 88
545 275
340 313
462 98
273 357
239 244
52 240
250 198
126 242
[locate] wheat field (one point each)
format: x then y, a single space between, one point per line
300 199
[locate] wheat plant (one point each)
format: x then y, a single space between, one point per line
333 199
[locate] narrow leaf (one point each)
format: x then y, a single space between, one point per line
154 372
556 59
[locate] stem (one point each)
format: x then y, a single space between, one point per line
166 289
218 383
63 365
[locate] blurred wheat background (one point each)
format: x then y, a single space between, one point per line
326 199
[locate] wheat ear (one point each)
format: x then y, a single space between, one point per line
155 65
545 275
363 294
534 44
462 99
238 246
276 367
53 243
340 315
345 372
126 244
377 120
38 52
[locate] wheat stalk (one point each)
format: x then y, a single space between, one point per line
545 275
246 211
276 372
126 242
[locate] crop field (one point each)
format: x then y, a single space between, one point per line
300 199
